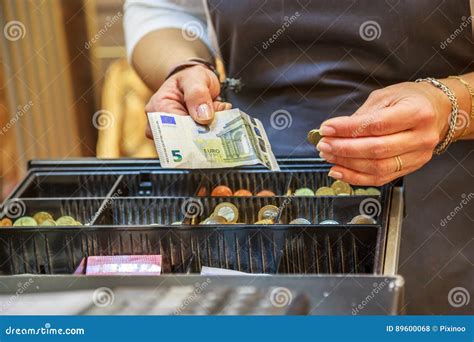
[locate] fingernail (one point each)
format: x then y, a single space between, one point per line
335 174
324 147
326 156
204 112
327 130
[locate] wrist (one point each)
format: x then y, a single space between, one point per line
190 63
441 105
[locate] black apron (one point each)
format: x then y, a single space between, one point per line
304 61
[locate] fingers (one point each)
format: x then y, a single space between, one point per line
378 147
220 106
372 122
359 178
380 167
200 87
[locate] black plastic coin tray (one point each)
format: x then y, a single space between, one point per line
128 207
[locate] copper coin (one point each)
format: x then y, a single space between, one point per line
6 222
221 191
266 193
202 191
243 193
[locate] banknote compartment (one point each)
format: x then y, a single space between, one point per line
271 250
65 185
329 250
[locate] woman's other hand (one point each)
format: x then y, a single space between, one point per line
192 91
406 120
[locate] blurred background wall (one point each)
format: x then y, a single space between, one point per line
66 89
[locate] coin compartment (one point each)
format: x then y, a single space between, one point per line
57 184
159 184
81 209
338 208
167 210
255 182
313 181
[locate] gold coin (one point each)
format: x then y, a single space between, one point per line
42 216
6 222
268 212
363 219
360 192
341 187
304 192
314 136
325 191
25 221
373 192
48 222
215 220
66 221
228 211
300 221
266 221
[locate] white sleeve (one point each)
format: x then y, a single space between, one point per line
144 16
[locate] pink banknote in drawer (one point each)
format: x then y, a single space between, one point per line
120 265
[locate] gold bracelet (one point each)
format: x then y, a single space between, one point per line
471 92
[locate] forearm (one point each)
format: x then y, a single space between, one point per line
159 51
465 107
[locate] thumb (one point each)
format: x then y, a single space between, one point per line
198 97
